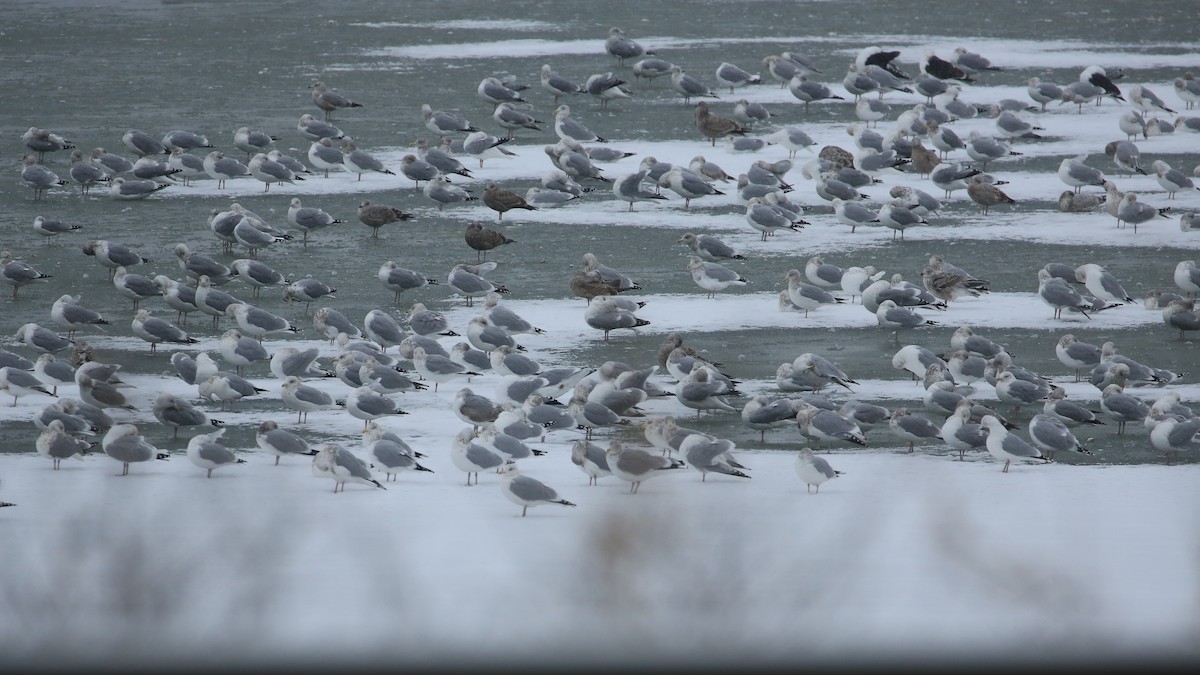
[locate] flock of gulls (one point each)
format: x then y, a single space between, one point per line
527 406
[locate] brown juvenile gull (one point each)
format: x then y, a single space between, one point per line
588 285
376 216
1083 202
713 126
500 200
483 239
986 194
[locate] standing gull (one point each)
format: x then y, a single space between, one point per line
707 455
39 177
444 123
258 322
709 247
391 454
1003 444
18 383
314 130
205 452
729 75
309 219
325 157
556 84
375 216
471 457
507 116
482 145
1076 174
525 491
608 314
175 412
629 188
442 191
619 45
502 201
635 465
417 169
155 330
334 461
814 470
1171 180
56 444
330 100
1060 295
269 171
252 141
470 284
360 161
125 444
712 126
1051 435
221 168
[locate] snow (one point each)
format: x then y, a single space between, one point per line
902 550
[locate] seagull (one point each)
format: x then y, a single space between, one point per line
42 141
334 461
819 424
591 459
712 126
502 201
155 330
205 452
525 491
309 219
304 398
125 444
257 322
1171 180
375 216
960 433
221 168
913 428
470 284
1131 211
1060 295
176 412
629 188
482 145
442 191
622 47
280 442
392 454
635 465
556 84
329 99
325 157
713 277
709 247
56 444
252 141
18 383
1121 407
1050 434
472 457
1007 446
814 470
39 177
444 123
